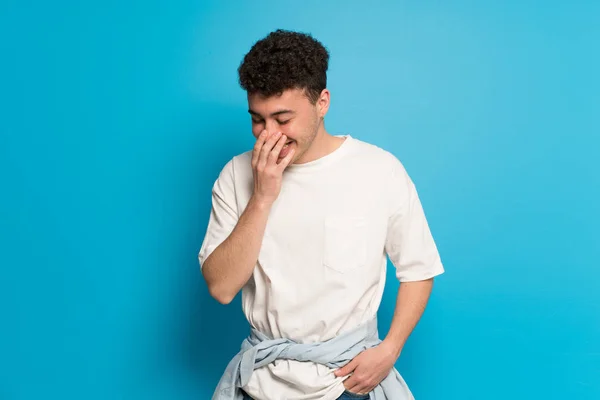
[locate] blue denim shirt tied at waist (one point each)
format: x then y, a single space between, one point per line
258 350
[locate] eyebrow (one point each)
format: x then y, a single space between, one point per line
276 113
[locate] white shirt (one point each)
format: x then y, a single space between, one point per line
322 264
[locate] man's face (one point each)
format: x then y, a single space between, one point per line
290 113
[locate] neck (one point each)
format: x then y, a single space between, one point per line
322 145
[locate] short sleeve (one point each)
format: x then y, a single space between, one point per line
223 215
409 242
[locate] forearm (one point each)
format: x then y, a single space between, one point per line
410 304
230 265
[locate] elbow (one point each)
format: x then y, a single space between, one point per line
216 289
221 296
219 293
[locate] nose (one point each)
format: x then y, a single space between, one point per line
271 126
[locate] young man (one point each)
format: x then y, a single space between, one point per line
303 225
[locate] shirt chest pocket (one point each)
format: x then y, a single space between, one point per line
345 246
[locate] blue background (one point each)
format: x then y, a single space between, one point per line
116 117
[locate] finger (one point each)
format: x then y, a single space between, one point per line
274 154
267 147
351 366
285 161
257 146
351 382
260 143
356 387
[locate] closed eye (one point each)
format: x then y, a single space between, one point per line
260 121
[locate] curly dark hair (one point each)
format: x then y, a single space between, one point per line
285 60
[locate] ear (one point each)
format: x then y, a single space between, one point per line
323 103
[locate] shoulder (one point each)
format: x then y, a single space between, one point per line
376 156
237 167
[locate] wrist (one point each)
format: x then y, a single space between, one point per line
260 202
393 346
